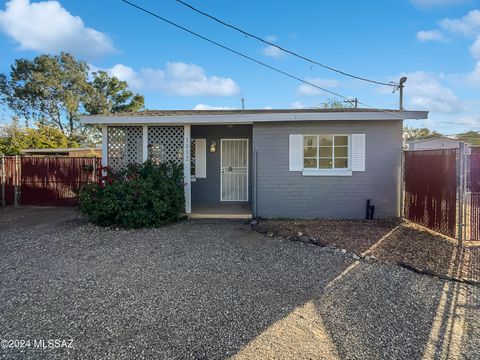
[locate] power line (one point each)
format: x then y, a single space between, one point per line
232 50
251 58
246 33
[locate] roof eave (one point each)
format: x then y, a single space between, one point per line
254 118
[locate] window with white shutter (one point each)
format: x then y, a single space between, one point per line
295 153
327 154
358 152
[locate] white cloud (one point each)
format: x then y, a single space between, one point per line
423 91
468 25
297 105
475 49
426 4
274 52
430 35
177 78
48 27
209 107
271 38
307 90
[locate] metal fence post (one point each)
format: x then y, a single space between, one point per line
3 180
461 190
15 181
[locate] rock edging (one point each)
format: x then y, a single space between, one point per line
313 241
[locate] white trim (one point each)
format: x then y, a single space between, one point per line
187 176
253 118
326 172
145 143
221 162
200 154
104 145
314 171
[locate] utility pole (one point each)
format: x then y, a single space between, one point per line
352 101
243 103
401 85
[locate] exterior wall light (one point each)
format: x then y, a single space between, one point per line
213 147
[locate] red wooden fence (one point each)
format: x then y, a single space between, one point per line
47 180
431 190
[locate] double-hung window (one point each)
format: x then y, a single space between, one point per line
325 152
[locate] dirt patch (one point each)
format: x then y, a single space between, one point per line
395 241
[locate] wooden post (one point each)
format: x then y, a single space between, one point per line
145 143
3 179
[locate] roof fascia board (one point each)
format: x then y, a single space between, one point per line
251 118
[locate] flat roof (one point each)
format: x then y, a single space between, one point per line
250 116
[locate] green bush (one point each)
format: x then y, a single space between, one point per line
144 195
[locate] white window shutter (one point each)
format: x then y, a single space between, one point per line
296 153
200 158
358 152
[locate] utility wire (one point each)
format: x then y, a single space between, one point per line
251 58
246 33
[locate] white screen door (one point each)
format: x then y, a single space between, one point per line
234 168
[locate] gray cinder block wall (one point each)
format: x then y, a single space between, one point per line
284 194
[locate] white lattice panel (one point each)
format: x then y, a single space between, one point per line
124 146
165 143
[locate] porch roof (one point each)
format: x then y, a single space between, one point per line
249 116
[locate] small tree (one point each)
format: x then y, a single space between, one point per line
419 133
14 138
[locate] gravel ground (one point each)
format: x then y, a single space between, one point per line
215 290
388 240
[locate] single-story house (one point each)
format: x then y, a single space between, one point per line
295 163
441 142
70 152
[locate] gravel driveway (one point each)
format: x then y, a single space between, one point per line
214 290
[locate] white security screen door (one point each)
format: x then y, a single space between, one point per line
234 168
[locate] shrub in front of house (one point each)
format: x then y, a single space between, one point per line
146 195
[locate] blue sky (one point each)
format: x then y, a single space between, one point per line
435 43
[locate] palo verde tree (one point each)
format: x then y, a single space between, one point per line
54 90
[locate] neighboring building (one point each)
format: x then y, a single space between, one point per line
306 163
442 142
70 152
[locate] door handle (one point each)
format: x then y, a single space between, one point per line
229 168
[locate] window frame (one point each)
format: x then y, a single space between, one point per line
317 171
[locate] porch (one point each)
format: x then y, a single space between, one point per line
216 161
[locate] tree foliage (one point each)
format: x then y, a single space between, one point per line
470 137
14 138
111 95
336 104
55 90
420 133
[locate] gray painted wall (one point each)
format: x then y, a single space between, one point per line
207 191
284 194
